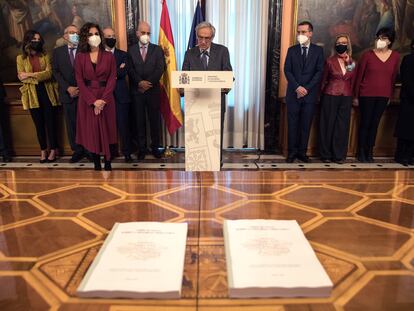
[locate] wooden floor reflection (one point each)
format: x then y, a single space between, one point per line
360 223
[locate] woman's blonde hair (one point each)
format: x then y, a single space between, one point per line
342 35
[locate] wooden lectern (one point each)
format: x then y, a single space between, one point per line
202 111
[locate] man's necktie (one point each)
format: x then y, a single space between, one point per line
204 59
144 52
304 49
72 55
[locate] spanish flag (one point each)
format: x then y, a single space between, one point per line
170 98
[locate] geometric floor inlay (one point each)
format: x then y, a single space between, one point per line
359 223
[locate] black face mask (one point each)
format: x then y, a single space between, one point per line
341 48
36 46
110 42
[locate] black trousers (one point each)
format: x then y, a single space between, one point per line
300 115
70 111
143 104
44 119
334 126
4 130
404 151
123 111
370 110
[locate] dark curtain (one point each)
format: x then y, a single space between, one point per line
132 18
271 129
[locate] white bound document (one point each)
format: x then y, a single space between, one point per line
138 260
272 258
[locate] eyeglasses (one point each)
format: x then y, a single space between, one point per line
205 39
144 33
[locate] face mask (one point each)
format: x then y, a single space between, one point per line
302 39
381 44
144 39
74 38
36 46
341 48
110 42
94 41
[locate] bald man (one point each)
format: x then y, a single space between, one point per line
146 65
121 93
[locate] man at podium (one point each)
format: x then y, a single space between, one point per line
208 56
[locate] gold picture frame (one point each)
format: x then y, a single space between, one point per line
50 18
360 19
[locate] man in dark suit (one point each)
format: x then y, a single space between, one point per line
209 56
121 93
303 70
146 65
4 128
62 67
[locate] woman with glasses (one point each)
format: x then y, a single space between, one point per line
336 102
375 81
95 73
39 92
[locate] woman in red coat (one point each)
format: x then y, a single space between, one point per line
337 90
95 72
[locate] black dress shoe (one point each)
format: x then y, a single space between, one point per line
339 161
7 158
325 160
76 157
89 156
361 158
156 153
304 158
43 160
128 159
290 159
51 160
141 156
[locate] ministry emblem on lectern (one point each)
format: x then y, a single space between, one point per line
184 78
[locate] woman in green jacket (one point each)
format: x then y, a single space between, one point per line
39 92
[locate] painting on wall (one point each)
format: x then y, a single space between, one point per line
132 19
50 18
361 19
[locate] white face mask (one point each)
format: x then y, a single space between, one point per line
302 39
381 44
144 39
94 41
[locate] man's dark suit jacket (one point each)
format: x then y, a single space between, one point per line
219 59
121 92
64 73
151 70
308 76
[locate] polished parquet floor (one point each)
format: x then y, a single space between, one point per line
359 222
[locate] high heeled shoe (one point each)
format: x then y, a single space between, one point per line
97 162
108 166
43 157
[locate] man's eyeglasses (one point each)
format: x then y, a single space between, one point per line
206 39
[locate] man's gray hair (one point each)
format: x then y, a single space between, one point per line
206 25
